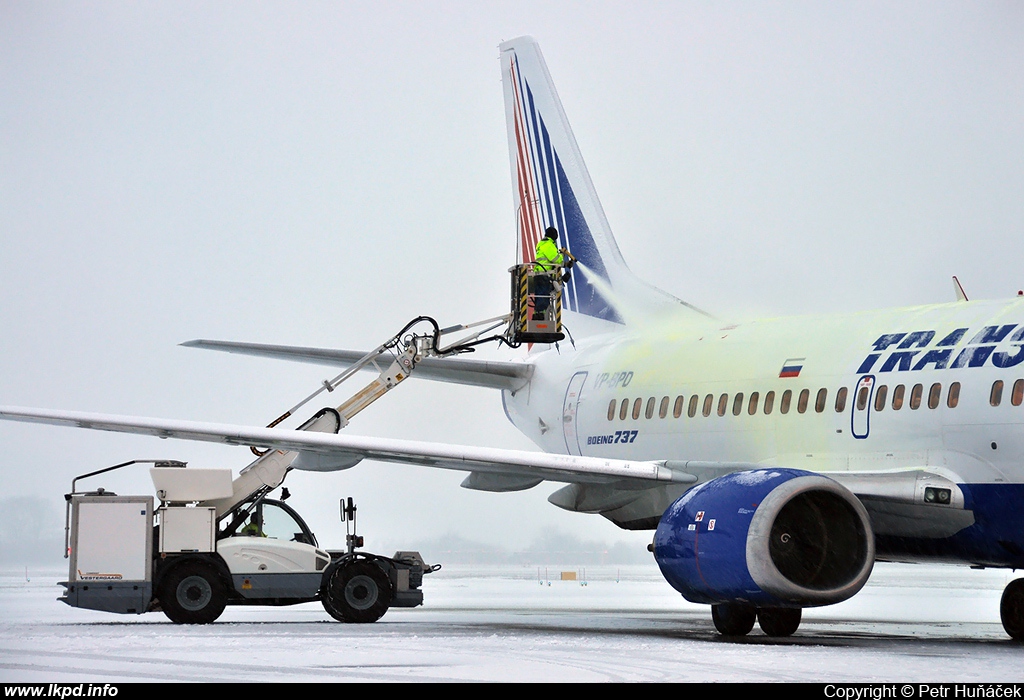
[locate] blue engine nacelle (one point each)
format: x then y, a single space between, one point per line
767 537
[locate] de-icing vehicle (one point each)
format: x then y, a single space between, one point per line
209 541
127 556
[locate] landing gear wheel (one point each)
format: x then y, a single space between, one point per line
192 593
357 592
779 622
733 619
1011 609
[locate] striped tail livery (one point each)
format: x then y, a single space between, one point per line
553 188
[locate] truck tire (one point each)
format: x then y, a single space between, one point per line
358 591
192 593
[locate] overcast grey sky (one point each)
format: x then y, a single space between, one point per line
318 173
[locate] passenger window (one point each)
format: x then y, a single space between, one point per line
769 401
737 404
692 410
663 408
723 403
880 394
915 397
862 398
611 409
677 408
934 395
752 405
1018 393
841 399
801 403
709 402
636 408
897 397
623 409
954 395
787 397
819 400
649 413
996 395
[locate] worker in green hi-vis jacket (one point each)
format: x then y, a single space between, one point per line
549 259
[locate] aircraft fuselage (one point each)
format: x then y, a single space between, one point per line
936 387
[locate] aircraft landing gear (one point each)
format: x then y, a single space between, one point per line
737 619
733 619
779 622
1011 609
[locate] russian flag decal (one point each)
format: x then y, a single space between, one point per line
792 367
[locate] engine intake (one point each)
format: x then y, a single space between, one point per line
767 537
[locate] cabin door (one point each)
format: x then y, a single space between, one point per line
570 407
860 416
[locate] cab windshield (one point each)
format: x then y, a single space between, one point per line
275 520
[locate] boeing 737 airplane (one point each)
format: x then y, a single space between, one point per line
775 460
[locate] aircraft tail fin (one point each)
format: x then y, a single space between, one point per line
553 188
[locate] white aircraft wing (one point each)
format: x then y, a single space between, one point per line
455 370
896 501
330 452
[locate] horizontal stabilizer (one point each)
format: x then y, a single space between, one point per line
495 375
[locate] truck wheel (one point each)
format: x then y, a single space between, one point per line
192 593
357 592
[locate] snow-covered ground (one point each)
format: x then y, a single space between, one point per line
911 623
